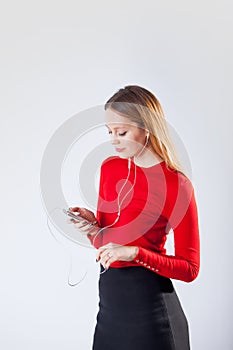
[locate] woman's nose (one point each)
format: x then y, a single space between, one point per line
114 140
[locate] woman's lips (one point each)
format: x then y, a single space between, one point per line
120 149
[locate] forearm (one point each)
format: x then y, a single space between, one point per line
168 266
95 237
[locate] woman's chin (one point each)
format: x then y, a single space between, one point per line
123 156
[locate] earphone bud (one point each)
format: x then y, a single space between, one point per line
147 138
129 163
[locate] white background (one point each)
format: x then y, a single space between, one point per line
59 58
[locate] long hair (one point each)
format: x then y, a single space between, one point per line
144 109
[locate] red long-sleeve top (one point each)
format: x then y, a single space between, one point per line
162 199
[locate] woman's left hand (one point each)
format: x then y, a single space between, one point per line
112 252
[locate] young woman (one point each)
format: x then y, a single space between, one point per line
144 193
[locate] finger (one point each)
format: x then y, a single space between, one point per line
93 223
85 225
84 228
74 209
99 252
102 251
106 259
77 225
104 247
89 228
105 254
84 222
80 228
110 261
82 212
69 221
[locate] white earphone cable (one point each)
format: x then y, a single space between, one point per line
119 204
70 256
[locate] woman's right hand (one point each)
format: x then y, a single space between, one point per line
89 224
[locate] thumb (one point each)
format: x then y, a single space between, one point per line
87 214
74 209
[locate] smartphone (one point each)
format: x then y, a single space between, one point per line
72 215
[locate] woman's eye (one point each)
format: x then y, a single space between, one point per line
120 134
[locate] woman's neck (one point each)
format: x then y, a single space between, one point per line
147 158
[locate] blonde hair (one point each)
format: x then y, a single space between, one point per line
144 109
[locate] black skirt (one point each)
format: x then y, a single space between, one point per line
139 310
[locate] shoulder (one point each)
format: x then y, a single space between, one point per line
180 197
113 163
178 182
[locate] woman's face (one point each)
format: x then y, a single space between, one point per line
127 138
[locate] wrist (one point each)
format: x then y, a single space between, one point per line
135 252
93 231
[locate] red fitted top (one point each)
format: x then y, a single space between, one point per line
162 199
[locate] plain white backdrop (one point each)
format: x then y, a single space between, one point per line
59 58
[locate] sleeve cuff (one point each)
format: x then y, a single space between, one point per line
142 260
137 257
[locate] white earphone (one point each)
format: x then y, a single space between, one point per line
118 198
